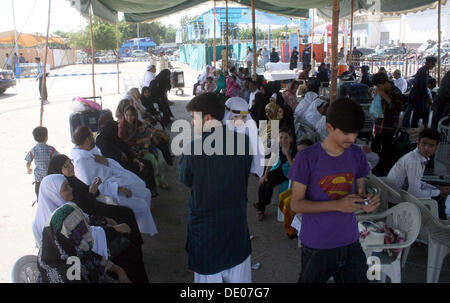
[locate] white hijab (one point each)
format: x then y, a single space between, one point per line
49 201
312 115
304 104
250 129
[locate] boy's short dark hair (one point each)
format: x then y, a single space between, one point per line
40 134
431 59
207 104
232 69
430 133
345 114
380 78
81 134
307 142
432 82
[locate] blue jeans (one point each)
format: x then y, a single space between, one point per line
346 264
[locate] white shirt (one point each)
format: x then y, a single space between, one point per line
8 60
410 168
148 78
252 98
401 84
249 57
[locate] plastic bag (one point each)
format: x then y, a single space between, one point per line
376 109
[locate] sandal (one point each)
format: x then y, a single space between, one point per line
259 215
164 185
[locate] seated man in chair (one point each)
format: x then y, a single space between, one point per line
408 172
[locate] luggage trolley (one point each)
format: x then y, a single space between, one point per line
87 117
177 81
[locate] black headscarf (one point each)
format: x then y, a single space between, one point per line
288 118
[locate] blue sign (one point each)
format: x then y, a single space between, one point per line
305 27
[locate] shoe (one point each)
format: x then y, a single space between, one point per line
259 215
46 102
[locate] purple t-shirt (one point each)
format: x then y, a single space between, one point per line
329 178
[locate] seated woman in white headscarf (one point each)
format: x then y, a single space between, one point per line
304 104
108 240
315 111
126 188
237 117
54 192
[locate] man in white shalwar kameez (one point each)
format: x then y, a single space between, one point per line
126 188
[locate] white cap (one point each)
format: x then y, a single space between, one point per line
149 67
274 96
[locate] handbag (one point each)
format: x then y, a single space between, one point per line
376 109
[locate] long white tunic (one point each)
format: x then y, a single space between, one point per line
114 176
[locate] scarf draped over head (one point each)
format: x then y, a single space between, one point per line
66 234
273 108
236 106
49 200
304 104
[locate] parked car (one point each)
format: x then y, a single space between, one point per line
7 80
388 52
139 53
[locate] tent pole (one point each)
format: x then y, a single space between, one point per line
351 32
270 38
44 75
286 46
439 45
312 42
92 47
214 47
117 54
226 34
334 49
254 38
16 49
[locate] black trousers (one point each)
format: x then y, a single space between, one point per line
265 191
346 264
382 145
42 93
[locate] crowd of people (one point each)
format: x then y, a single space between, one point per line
95 203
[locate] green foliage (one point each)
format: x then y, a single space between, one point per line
105 34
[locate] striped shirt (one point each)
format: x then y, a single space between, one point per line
41 154
217 233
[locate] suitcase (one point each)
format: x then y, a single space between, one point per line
88 117
177 80
356 91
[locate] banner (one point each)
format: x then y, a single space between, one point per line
305 27
179 37
293 42
209 26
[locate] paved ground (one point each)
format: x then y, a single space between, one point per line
165 256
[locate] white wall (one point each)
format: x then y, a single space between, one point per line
62 57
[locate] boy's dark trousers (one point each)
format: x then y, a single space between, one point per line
346 264
265 191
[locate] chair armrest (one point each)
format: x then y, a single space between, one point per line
432 205
386 246
371 216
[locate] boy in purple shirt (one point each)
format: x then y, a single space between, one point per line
326 178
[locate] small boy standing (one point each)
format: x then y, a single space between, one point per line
42 154
325 179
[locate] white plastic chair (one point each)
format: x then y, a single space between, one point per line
405 217
25 270
438 238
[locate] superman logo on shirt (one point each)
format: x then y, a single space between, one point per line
337 186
